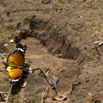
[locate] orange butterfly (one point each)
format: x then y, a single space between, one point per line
15 62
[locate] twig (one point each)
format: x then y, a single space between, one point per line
47 78
42 97
97 50
4 92
2 96
8 94
2 56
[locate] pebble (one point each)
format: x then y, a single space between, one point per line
24 84
5 44
11 40
90 94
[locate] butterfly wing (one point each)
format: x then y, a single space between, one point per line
15 59
15 62
14 72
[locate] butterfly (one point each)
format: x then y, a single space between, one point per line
16 62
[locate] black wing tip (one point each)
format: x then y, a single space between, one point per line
21 48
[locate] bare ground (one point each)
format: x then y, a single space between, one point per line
60 35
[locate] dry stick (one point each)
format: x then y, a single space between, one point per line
46 77
42 98
98 52
9 94
4 92
2 56
2 96
44 95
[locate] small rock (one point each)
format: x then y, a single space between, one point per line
5 44
59 55
81 16
24 99
24 84
11 40
90 94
